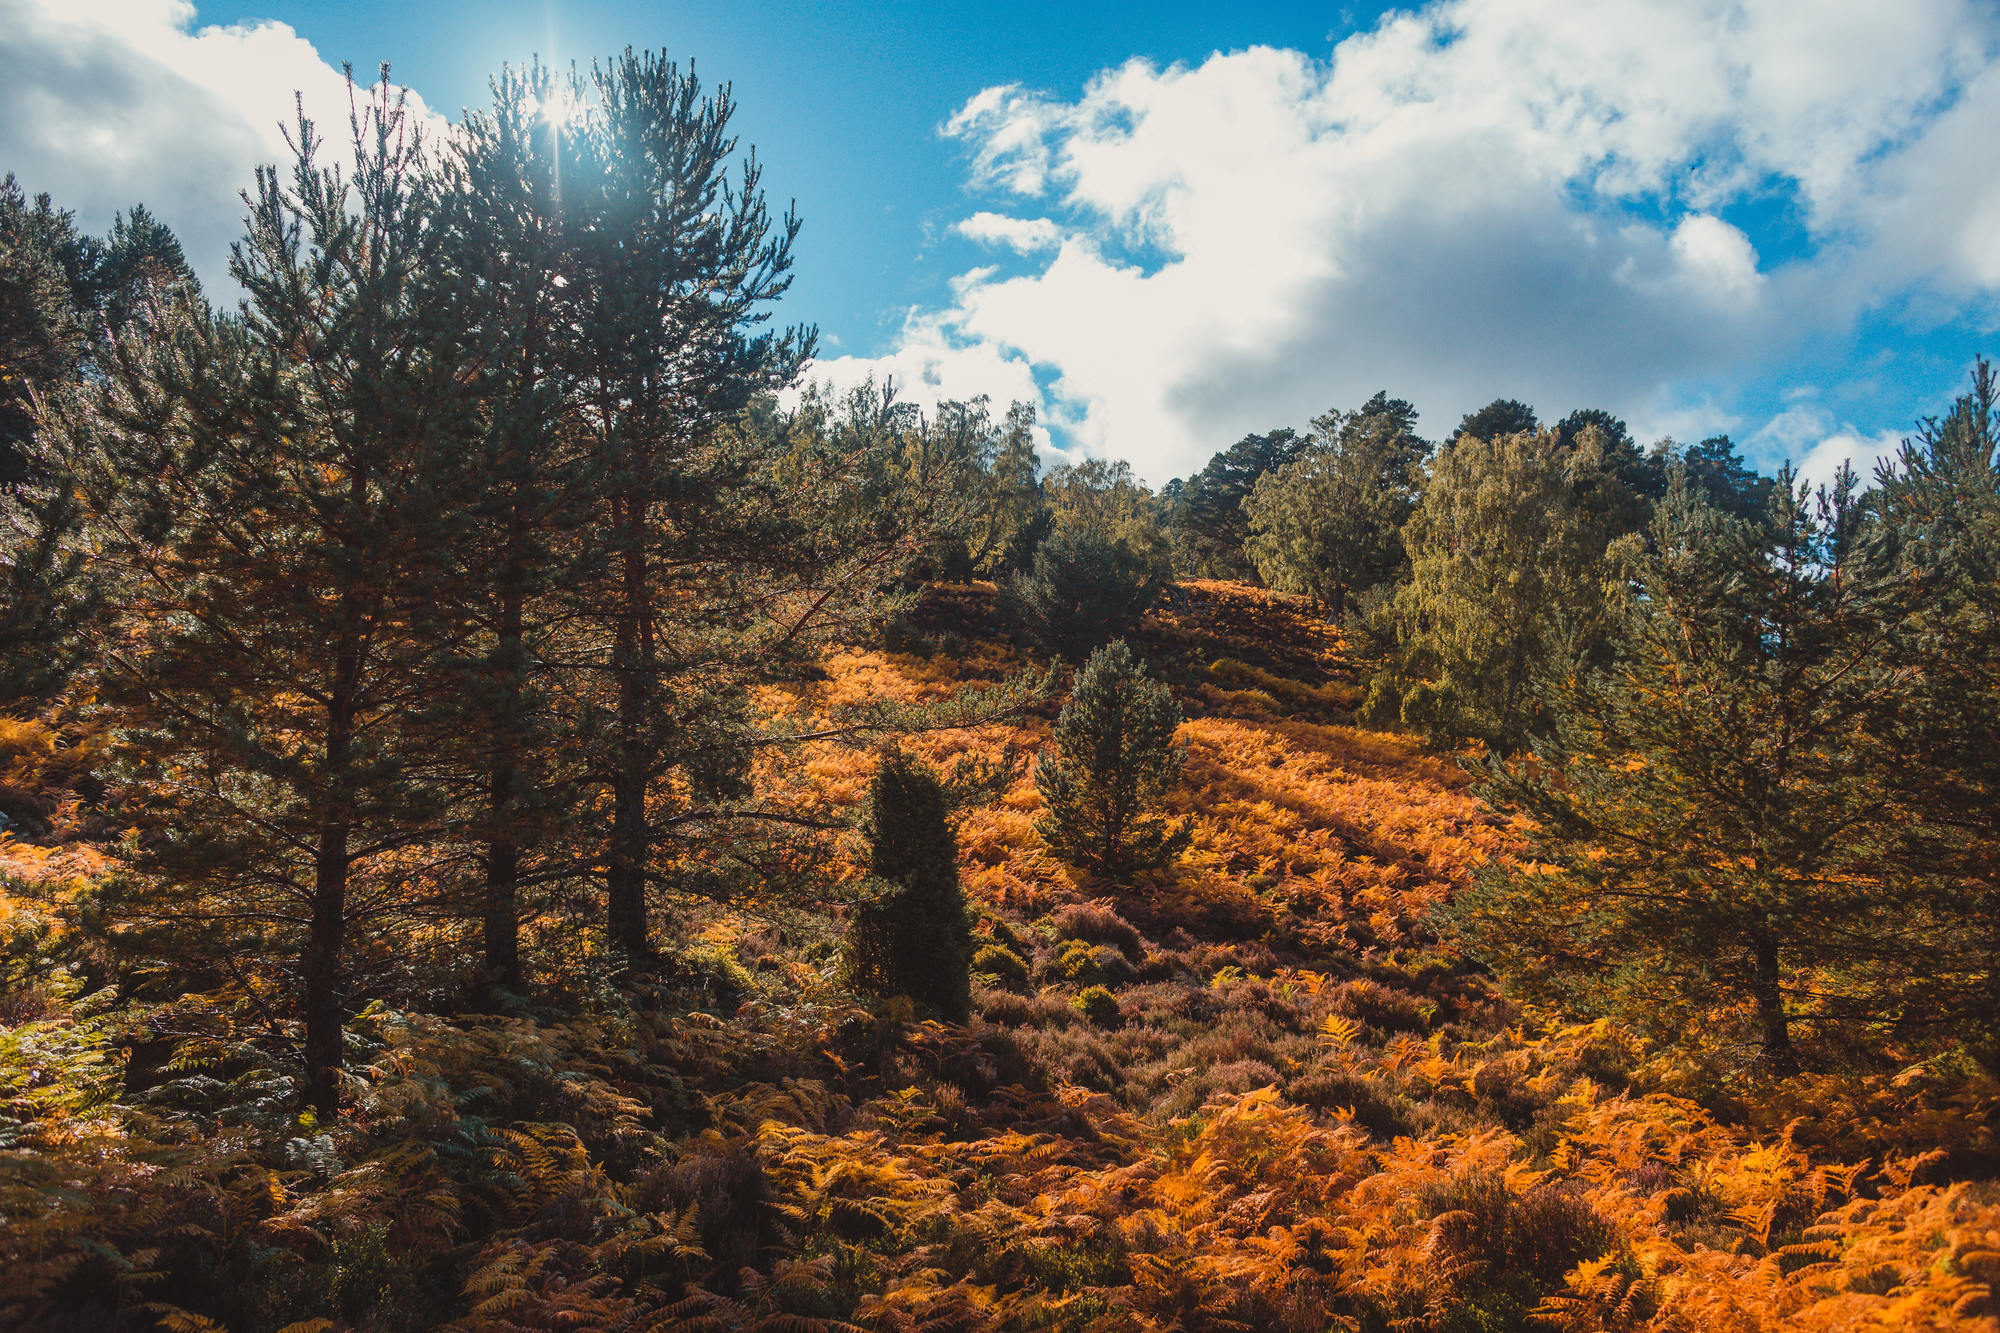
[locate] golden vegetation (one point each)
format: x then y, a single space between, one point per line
1300 1110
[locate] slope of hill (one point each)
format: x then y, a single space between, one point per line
1256 1092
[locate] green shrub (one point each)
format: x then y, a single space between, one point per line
1002 964
1098 1005
1112 761
1081 963
913 938
1084 589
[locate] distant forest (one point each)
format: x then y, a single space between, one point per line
464 654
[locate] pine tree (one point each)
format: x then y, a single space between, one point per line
43 333
913 937
521 489
1712 832
1083 589
1207 522
677 265
63 297
1329 525
1941 497
261 487
1498 419
1716 471
48 594
1112 761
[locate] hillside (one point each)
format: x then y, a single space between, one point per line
1296 1109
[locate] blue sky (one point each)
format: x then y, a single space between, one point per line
1171 224
844 101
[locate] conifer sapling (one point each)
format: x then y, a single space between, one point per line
914 939
1113 762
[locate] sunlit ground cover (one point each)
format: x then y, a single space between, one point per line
1256 1092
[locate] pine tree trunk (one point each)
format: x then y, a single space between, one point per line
327 928
323 1056
501 921
626 878
1774 1022
503 855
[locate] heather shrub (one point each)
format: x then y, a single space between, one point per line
1204 1083
1009 1010
1380 1007
731 1196
1487 1236
1376 1107
1098 923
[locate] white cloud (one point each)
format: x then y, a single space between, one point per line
107 103
1808 436
1483 197
928 368
1717 257
1021 235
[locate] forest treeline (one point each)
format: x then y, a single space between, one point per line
1750 720
443 631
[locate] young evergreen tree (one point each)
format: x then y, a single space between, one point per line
1112 761
913 936
1329 524
1511 574
261 487
1712 835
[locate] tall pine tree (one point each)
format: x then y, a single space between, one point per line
261 486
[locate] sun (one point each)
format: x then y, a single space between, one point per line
562 108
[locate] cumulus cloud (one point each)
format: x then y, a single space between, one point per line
1809 437
1021 235
928 368
1482 197
107 103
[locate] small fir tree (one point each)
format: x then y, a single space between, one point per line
914 938
1104 784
